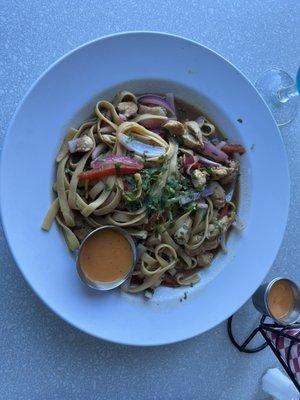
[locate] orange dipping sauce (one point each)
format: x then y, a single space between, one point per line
106 256
280 299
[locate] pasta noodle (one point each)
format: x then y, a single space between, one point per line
165 177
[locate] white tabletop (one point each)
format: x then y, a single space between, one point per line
41 356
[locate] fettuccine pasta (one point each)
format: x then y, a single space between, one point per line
167 177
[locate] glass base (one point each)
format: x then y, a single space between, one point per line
268 86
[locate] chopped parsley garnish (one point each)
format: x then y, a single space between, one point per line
162 158
118 166
68 170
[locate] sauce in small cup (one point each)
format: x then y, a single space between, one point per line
280 300
106 258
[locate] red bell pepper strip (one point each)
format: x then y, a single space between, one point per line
108 170
230 149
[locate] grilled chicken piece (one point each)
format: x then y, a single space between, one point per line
81 144
182 235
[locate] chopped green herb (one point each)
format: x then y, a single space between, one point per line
130 138
208 170
118 167
68 171
162 158
134 205
130 197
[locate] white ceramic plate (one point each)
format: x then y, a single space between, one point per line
64 96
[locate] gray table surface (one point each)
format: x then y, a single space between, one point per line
41 356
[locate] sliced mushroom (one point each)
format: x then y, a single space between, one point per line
175 128
190 141
156 110
127 108
194 129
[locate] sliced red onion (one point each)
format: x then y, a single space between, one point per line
97 163
154 99
215 141
195 196
123 117
202 205
206 192
221 144
208 162
200 121
141 148
100 148
213 185
212 151
114 158
171 100
72 145
189 197
151 121
110 198
156 130
188 160
190 163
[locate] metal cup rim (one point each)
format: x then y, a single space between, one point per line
99 285
266 295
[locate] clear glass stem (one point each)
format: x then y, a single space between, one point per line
287 93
